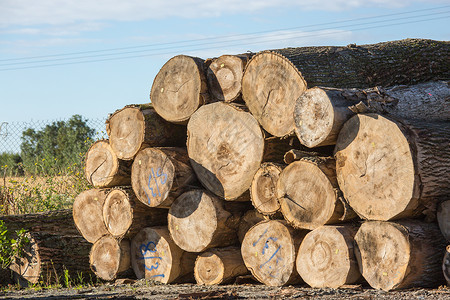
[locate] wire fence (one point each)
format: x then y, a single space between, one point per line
42 162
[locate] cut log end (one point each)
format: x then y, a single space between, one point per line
263 188
179 88
109 257
446 265
270 86
443 217
117 212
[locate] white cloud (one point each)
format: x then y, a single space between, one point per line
33 12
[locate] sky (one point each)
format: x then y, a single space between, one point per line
66 57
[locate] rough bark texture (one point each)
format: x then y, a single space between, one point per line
224 76
270 86
135 127
248 220
400 255
103 168
160 175
263 188
443 217
155 256
446 265
326 257
199 220
219 265
88 214
294 155
269 250
124 215
226 146
321 112
179 88
390 169
407 61
309 194
110 257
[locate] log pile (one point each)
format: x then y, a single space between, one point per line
291 165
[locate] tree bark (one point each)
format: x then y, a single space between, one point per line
269 250
179 88
136 127
109 257
219 265
326 257
263 188
443 217
103 168
248 220
88 214
160 175
391 169
400 255
199 220
270 86
226 147
224 76
446 265
295 154
309 194
408 61
124 216
155 256
320 113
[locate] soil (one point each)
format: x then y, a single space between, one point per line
147 290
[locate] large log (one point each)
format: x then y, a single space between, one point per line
199 220
109 258
226 146
400 255
88 214
326 257
269 250
219 265
443 217
179 88
263 188
224 76
321 112
103 168
446 265
160 175
309 194
124 215
135 127
248 220
155 256
391 169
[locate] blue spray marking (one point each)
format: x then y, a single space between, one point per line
260 237
158 275
144 248
266 244
262 265
163 179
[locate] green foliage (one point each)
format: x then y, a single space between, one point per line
56 146
11 164
10 247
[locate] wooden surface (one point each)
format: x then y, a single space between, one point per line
263 188
443 218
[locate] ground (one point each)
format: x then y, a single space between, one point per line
145 290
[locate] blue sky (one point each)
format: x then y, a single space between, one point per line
67 33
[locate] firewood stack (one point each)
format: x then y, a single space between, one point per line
366 133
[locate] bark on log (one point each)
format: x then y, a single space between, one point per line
199 220
390 169
224 76
103 168
226 146
446 265
263 188
294 155
270 86
109 257
309 194
47 256
408 61
124 216
88 214
136 127
248 220
155 256
179 88
269 251
326 257
219 265
443 217
400 255
321 112
160 175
